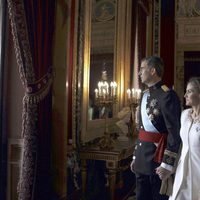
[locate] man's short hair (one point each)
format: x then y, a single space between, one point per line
155 62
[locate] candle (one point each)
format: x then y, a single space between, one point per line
104 93
133 94
106 90
106 87
114 88
138 91
101 85
111 89
129 93
96 93
99 88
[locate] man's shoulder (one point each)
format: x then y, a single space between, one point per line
165 88
168 91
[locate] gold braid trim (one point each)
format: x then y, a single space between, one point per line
170 153
170 157
21 41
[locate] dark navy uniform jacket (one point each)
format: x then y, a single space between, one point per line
163 110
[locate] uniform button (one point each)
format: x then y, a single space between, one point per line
141 127
140 144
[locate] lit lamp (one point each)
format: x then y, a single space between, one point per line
106 93
133 96
105 98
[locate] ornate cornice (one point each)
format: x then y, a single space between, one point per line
188 8
188 30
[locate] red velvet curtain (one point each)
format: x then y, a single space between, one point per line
167 39
32 25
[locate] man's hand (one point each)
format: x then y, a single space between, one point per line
163 173
132 165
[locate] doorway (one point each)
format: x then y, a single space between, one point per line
191 66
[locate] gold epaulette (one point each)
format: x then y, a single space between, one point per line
165 88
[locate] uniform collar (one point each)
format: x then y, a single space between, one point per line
156 86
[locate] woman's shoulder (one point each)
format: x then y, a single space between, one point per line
185 113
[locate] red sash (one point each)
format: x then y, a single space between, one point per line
160 138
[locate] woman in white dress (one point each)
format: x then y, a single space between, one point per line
187 178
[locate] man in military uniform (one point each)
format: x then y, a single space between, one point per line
158 140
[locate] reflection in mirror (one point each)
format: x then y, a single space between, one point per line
102 51
106 47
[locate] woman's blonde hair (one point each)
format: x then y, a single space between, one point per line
195 81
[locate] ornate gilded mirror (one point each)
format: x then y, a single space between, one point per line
106 47
102 45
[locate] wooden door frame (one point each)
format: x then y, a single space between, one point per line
3 137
